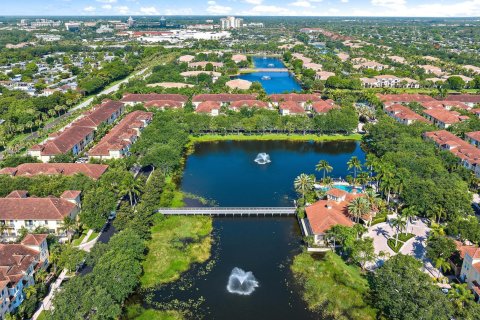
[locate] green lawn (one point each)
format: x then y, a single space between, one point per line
137 312
92 236
79 240
176 243
333 288
402 238
275 136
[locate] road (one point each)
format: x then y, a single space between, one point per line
80 106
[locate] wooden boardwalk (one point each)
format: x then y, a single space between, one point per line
230 211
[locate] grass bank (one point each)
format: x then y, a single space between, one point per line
138 313
333 288
275 136
177 242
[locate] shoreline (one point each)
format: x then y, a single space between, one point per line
274 137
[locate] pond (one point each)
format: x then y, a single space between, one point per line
227 173
272 82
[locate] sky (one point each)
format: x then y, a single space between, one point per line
390 8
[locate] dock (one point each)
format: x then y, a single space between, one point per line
230 211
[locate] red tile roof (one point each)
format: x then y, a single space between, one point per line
122 135
468 98
35 208
323 106
208 106
402 112
296 97
472 135
224 97
248 104
445 116
324 214
404 97
136 97
15 259
34 239
163 104
93 171
292 106
66 140
18 194
460 148
100 114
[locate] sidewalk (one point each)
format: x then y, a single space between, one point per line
47 301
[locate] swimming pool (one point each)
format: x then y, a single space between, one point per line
343 187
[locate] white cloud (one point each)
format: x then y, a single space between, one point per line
269 11
149 11
214 8
107 6
256 2
344 1
302 4
122 9
389 3
107 1
89 9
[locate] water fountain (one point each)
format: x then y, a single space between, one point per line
241 282
262 158
270 65
266 78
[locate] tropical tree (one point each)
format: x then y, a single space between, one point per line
303 184
355 164
460 294
324 166
442 265
363 252
30 291
399 224
131 187
358 207
409 213
69 226
363 179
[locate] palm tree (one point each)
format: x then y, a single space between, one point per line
354 164
324 166
442 264
460 294
358 207
399 224
363 179
69 226
131 187
408 213
303 183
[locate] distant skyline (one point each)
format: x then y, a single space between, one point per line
388 8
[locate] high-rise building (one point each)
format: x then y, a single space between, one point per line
163 22
130 22
231 23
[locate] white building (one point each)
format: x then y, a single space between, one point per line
231 23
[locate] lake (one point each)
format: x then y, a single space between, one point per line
279 82
226 172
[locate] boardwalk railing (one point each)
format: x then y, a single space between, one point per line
231 211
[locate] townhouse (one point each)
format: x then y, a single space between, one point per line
191 74
470 272
223 99
388 99
468 155
18 210
237 105
403 114
443 118
79 134
117 143
203 64
473 138
323 75
370 65
18 265
93 171
469 99
131 99
209 107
